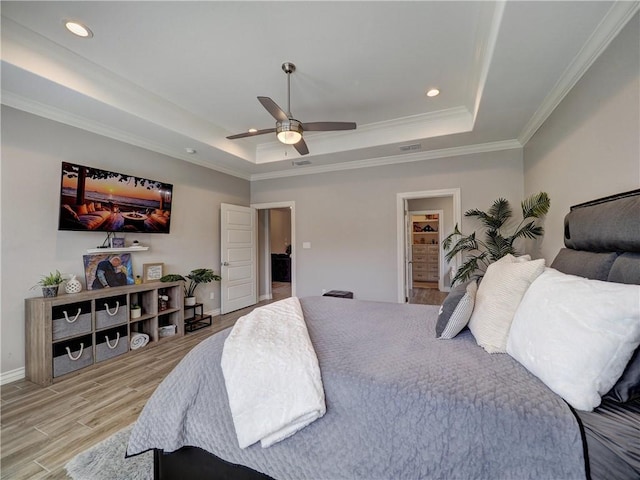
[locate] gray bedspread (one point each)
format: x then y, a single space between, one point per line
400 405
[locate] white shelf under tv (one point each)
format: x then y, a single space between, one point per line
117 250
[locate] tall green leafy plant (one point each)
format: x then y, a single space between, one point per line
479 253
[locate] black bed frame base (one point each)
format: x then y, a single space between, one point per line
195 463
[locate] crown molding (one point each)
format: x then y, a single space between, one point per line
19 102
610 26
37 55
393 160
400 130
46 111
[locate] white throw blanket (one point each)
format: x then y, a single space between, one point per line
272 374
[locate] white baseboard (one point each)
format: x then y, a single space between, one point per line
265 297
12 376
213 313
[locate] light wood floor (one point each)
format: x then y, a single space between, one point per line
42 428
426 296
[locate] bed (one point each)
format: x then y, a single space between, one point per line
401 403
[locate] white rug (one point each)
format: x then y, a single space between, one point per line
106 461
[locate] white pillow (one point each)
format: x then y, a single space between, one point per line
576 335
499 294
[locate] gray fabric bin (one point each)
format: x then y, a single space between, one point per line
72 355
111 343
71 320
111 311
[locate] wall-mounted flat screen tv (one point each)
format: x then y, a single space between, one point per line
98 200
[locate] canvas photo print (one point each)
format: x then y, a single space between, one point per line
108 270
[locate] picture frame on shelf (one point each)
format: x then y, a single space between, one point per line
152 272
107 270
117 242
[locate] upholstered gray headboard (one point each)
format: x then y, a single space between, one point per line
603 239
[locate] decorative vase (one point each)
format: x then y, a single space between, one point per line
73 285
189 301
50 291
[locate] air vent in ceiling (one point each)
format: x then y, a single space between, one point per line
410 148
297 163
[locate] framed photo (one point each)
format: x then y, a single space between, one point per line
107 270
152 272
117 242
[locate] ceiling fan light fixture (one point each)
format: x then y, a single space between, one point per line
289 132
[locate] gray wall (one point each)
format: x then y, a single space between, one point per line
349 217
32 152
590 145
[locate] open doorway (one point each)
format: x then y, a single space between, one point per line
433 210
276 253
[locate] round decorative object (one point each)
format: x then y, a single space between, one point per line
73 285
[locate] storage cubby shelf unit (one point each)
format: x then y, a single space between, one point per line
71 333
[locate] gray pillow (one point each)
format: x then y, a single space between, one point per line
627 388
626 269
593 265
456 310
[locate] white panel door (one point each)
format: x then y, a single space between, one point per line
238 257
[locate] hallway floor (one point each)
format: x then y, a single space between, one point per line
427 296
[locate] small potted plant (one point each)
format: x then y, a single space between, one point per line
135 311
50 284
196 277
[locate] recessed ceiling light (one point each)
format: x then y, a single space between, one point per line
190 150
433 92
78 29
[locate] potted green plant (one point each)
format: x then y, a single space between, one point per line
479 254
195 278
135 310
50 284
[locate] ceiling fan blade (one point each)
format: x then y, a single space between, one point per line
251 134
273 108
301 147
328 126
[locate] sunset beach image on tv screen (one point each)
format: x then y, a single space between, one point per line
100 200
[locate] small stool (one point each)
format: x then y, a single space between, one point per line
338 293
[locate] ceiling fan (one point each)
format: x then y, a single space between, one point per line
288 129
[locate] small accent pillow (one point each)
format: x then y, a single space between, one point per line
456 310
576 335
499 294
627 388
